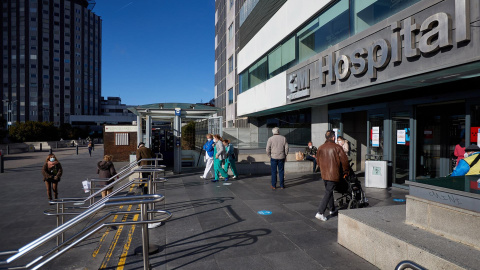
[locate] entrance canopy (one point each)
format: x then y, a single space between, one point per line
166 112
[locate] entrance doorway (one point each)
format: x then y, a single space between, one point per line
355 132
401 146
440 128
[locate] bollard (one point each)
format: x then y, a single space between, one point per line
77 149
50 151
8 149
1 164
40 147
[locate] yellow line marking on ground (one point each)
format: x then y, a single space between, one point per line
126 247
104 236
109 253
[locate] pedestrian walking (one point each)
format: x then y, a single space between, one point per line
277 151
333 164
344 144
106 169
90 147
52 172
142 153
230 159
208 147
219 154
310 153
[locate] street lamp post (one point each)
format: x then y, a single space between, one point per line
9 111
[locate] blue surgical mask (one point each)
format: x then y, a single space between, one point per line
52 159
209 139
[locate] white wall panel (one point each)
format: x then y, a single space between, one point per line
267 95
289 17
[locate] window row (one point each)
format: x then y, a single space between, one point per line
325 30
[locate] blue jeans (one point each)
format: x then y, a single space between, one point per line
314 161
280 163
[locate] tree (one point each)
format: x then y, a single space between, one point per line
33 131
188 136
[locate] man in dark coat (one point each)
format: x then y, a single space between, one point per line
333 166
142 153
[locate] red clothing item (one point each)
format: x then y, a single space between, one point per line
459 152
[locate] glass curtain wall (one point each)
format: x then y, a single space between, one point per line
326 30
343 19
365 13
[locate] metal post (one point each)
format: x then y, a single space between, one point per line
151 206
40 147
148 131
50 151
58 222
1 164
77 149
145 240
62 210
139 129
177 134
8 149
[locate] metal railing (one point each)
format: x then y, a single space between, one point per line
60 249
409 265
122 175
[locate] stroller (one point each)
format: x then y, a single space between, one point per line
352 193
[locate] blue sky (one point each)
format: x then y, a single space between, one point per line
157 51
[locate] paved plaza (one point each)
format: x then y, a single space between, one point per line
214 225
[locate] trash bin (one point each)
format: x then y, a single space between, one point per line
376 174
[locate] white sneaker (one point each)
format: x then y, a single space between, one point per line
201 176
234 177
320 217
154 225
333 212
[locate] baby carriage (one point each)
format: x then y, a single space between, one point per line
352 195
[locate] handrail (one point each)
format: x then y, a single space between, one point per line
114 201
409 264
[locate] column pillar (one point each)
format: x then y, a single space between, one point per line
139 129
177 134
319 124
148 131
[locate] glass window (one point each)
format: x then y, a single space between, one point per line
230 64
281 58
230 96
366 13
230 32
327 30
258 73
243 81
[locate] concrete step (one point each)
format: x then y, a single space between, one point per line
381 236
445 220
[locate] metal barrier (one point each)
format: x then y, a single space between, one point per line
124 173
409 265
143 200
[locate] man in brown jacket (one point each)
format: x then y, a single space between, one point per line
144 152
333 166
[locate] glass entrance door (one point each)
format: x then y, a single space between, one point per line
401 146
440 128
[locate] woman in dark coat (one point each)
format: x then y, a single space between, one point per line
105 169
52 172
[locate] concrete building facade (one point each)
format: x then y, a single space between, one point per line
397 79
51 66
